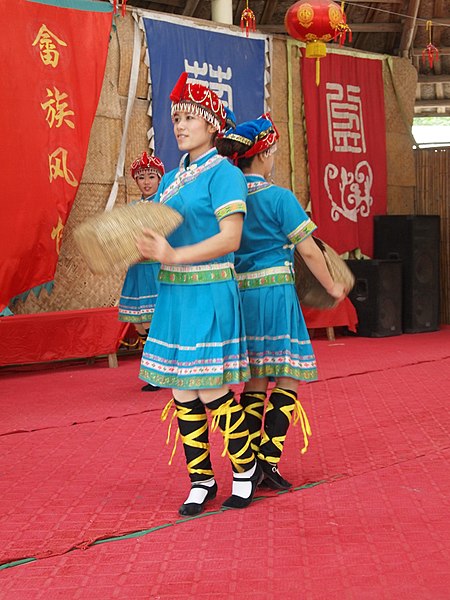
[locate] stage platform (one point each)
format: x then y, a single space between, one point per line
88 502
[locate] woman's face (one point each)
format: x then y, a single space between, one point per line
193 134
147 182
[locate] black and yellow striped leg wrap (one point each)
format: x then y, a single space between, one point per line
253 405
229 416
193 427
278 417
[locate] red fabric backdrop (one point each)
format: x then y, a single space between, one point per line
53 62
345 125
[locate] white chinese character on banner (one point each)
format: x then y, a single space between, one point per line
345 118
214 78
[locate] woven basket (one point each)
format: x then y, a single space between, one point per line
107 242
310 292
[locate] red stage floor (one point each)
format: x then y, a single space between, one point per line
83 458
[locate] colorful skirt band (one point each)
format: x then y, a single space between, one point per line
194 274
263 277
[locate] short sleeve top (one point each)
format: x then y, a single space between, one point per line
203 192
275 223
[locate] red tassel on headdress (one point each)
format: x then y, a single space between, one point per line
177 93
248 20
124 6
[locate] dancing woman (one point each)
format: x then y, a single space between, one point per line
278 343
196 345
140 287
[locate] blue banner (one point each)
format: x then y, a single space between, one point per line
231 65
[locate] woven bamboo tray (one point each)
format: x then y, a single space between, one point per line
310 292
107 241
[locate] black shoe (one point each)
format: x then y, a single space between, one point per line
148 387
239 502
191 509
272 477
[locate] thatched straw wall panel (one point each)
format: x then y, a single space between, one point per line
109 104
400 160
297 93
400 200
280 114
278 109
301 143
104 146
278 103
125 33
282 173
400 84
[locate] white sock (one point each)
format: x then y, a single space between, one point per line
243 489
197 495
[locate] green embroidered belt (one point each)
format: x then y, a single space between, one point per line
273 276
194 274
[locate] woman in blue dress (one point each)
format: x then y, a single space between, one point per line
140 287
278 343
196 344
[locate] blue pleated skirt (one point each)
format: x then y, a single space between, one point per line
139 293
277 338
197 338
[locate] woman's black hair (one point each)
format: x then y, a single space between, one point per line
231 148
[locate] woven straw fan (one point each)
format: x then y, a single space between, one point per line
107 241
310 292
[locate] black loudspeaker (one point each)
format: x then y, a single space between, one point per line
377 296
415 240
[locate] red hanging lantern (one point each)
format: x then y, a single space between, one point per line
316 23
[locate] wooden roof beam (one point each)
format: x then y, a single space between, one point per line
440 103
190 8
238 10
409 28
355 27
174 3
417 115
268 11
427 79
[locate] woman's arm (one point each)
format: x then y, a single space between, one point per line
314 260
154 246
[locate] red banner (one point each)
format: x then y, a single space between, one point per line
345 125
53 63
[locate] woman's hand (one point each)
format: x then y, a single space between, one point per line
153 246
337 291
315 261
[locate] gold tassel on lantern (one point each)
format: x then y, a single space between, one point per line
316 50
